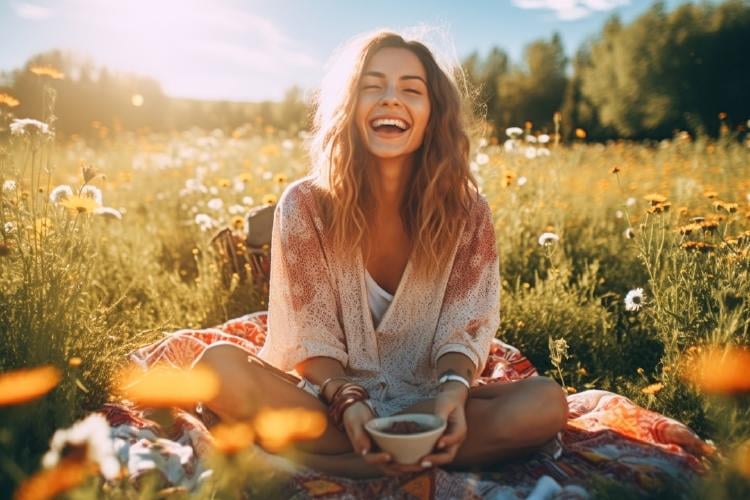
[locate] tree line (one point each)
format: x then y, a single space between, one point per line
665 71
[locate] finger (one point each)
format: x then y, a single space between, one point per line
450 439
359 439
379 458
439 458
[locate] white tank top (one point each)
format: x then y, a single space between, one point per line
378 299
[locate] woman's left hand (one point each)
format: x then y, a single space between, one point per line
450 405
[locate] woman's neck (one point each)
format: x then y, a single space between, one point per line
392 175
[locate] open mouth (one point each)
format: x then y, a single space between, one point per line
389 127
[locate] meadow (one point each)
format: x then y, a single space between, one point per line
623 264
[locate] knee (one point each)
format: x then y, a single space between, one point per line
220 357
553 404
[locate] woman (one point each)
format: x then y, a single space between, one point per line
384 293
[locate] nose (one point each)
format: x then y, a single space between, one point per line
390 97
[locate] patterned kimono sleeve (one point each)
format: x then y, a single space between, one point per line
302 311
470 314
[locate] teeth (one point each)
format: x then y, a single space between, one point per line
390 121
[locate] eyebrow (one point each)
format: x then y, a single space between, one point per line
378 74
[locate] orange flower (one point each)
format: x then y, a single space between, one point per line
652 389
47 71
20 386
720 370
233 438
9 100
580 133
51 482
655 198
166 386
278 427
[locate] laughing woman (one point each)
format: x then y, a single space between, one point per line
384 293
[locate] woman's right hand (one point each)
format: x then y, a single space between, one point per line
355 417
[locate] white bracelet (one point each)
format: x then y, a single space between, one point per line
456 378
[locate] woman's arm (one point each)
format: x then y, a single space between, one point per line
457 363
319 369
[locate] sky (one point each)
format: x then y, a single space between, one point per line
255 50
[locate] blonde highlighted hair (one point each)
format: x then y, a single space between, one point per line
441 189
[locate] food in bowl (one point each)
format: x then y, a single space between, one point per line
408 437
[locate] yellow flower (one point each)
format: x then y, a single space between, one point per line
79 204
231 438
710 194
276 428
280 179
655 198
245 177
9 100
20 386
580 133
238 223
224 183
163 386
47 71
652 389
269 199
74 362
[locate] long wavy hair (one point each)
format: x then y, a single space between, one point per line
441 189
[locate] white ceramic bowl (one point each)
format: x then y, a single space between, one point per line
407 448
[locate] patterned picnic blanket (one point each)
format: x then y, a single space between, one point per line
608 438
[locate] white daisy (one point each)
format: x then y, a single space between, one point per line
95 436
215 204
92 192
204 221
542 152
9 227
543 139
630 201
547 239
108 213
23 126
634 299
9 185
482 159
513 132
60 193
530 152
619 214
248 200
629 233
522 181
531 139
510 146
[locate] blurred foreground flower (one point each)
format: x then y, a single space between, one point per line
60 194
231 438
20 386
108 213
720 370
88 441
47 71
52 482
276 428
79 204
166 386
9 100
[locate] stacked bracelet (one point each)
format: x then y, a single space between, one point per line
455 378
328 381
346 395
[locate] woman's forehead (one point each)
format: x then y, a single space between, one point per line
395 61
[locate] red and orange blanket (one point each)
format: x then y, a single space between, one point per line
608 439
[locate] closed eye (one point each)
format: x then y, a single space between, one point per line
367 87
413 91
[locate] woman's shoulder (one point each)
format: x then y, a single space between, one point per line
299 195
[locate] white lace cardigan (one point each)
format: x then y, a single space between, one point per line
318 306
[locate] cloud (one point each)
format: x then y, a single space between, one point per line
569 10
31 11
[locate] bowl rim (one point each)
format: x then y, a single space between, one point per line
369 426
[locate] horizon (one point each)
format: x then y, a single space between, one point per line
230 51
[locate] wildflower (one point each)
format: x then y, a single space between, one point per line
720 370
51 483
278 427
543 139
269 199
619 214
60 194
108 213
215 204
248 200
709 225
510 146
652 389
630 202
531 139
74 362
9 185
20 386
238 223
658 208
688 229
615 169
629 233
232 438
483 159
245 177
204 221
580 133
655 198
281 179
91 440
710 194
697 219
88 172
9 227
522 181
47 71
513 132
223 183
93 193
79 204
547 239
237 209
634 299
163 387
725 206
23 126
530 153
700 246
9 100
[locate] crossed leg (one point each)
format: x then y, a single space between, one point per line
503 420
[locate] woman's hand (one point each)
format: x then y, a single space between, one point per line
450 405
355 417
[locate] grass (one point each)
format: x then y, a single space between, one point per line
79 290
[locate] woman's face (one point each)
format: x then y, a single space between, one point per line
393 106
